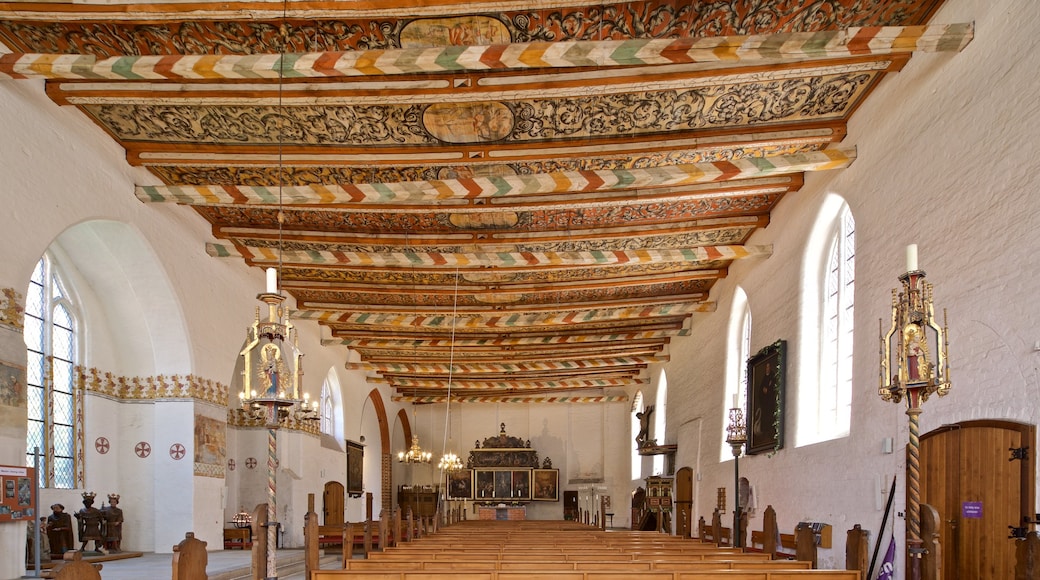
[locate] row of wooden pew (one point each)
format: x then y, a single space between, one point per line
543 550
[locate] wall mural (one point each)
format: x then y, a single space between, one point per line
210 446
12 314
12 386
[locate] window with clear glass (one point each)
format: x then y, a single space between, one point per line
328 426
739 350
838 304
637 459
53 417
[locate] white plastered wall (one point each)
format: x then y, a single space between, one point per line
946 159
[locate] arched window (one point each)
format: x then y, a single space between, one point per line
660 407
637 459
738 350
825 412
55 411
837 317
328 424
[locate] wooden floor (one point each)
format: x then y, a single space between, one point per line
544 550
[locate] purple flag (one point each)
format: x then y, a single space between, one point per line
888 565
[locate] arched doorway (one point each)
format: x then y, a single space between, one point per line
332 504
684 502
973 476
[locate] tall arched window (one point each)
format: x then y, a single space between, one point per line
660 407
738 351
54 409
825 400
837 316
637 459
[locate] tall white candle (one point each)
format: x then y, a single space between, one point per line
911 258
735 400
272 281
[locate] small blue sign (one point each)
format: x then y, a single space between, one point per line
971 510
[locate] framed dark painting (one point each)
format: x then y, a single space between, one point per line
765 413
460 484
546 485
355 469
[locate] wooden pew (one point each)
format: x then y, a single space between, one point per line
587 575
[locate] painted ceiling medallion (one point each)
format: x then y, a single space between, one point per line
498 220
468 122
456 31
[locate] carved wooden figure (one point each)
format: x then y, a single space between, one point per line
89 521
59 530
113 523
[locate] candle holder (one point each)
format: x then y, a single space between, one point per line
736 436
914 366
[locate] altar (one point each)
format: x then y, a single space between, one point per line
501 512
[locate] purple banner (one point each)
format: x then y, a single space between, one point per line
971 510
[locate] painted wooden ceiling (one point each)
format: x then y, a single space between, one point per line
524 203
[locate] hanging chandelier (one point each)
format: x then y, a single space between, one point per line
415 454
449 461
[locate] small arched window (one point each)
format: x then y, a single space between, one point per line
328 421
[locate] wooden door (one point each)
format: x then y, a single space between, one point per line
332 504
684 502
968 476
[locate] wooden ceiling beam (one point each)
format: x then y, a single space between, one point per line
710 52
466 385
508 367
502 260
620 330
432 192
522 400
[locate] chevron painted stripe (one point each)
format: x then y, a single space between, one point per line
476 368
404 342
517 385
502 320
264 256
750 50
494 399
430 192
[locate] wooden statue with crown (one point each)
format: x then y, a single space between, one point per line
89 521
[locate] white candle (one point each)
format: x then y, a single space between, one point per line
272 281
911 258
735 400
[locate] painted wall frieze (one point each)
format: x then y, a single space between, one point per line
152 388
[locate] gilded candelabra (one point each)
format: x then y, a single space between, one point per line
736 436
914 366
